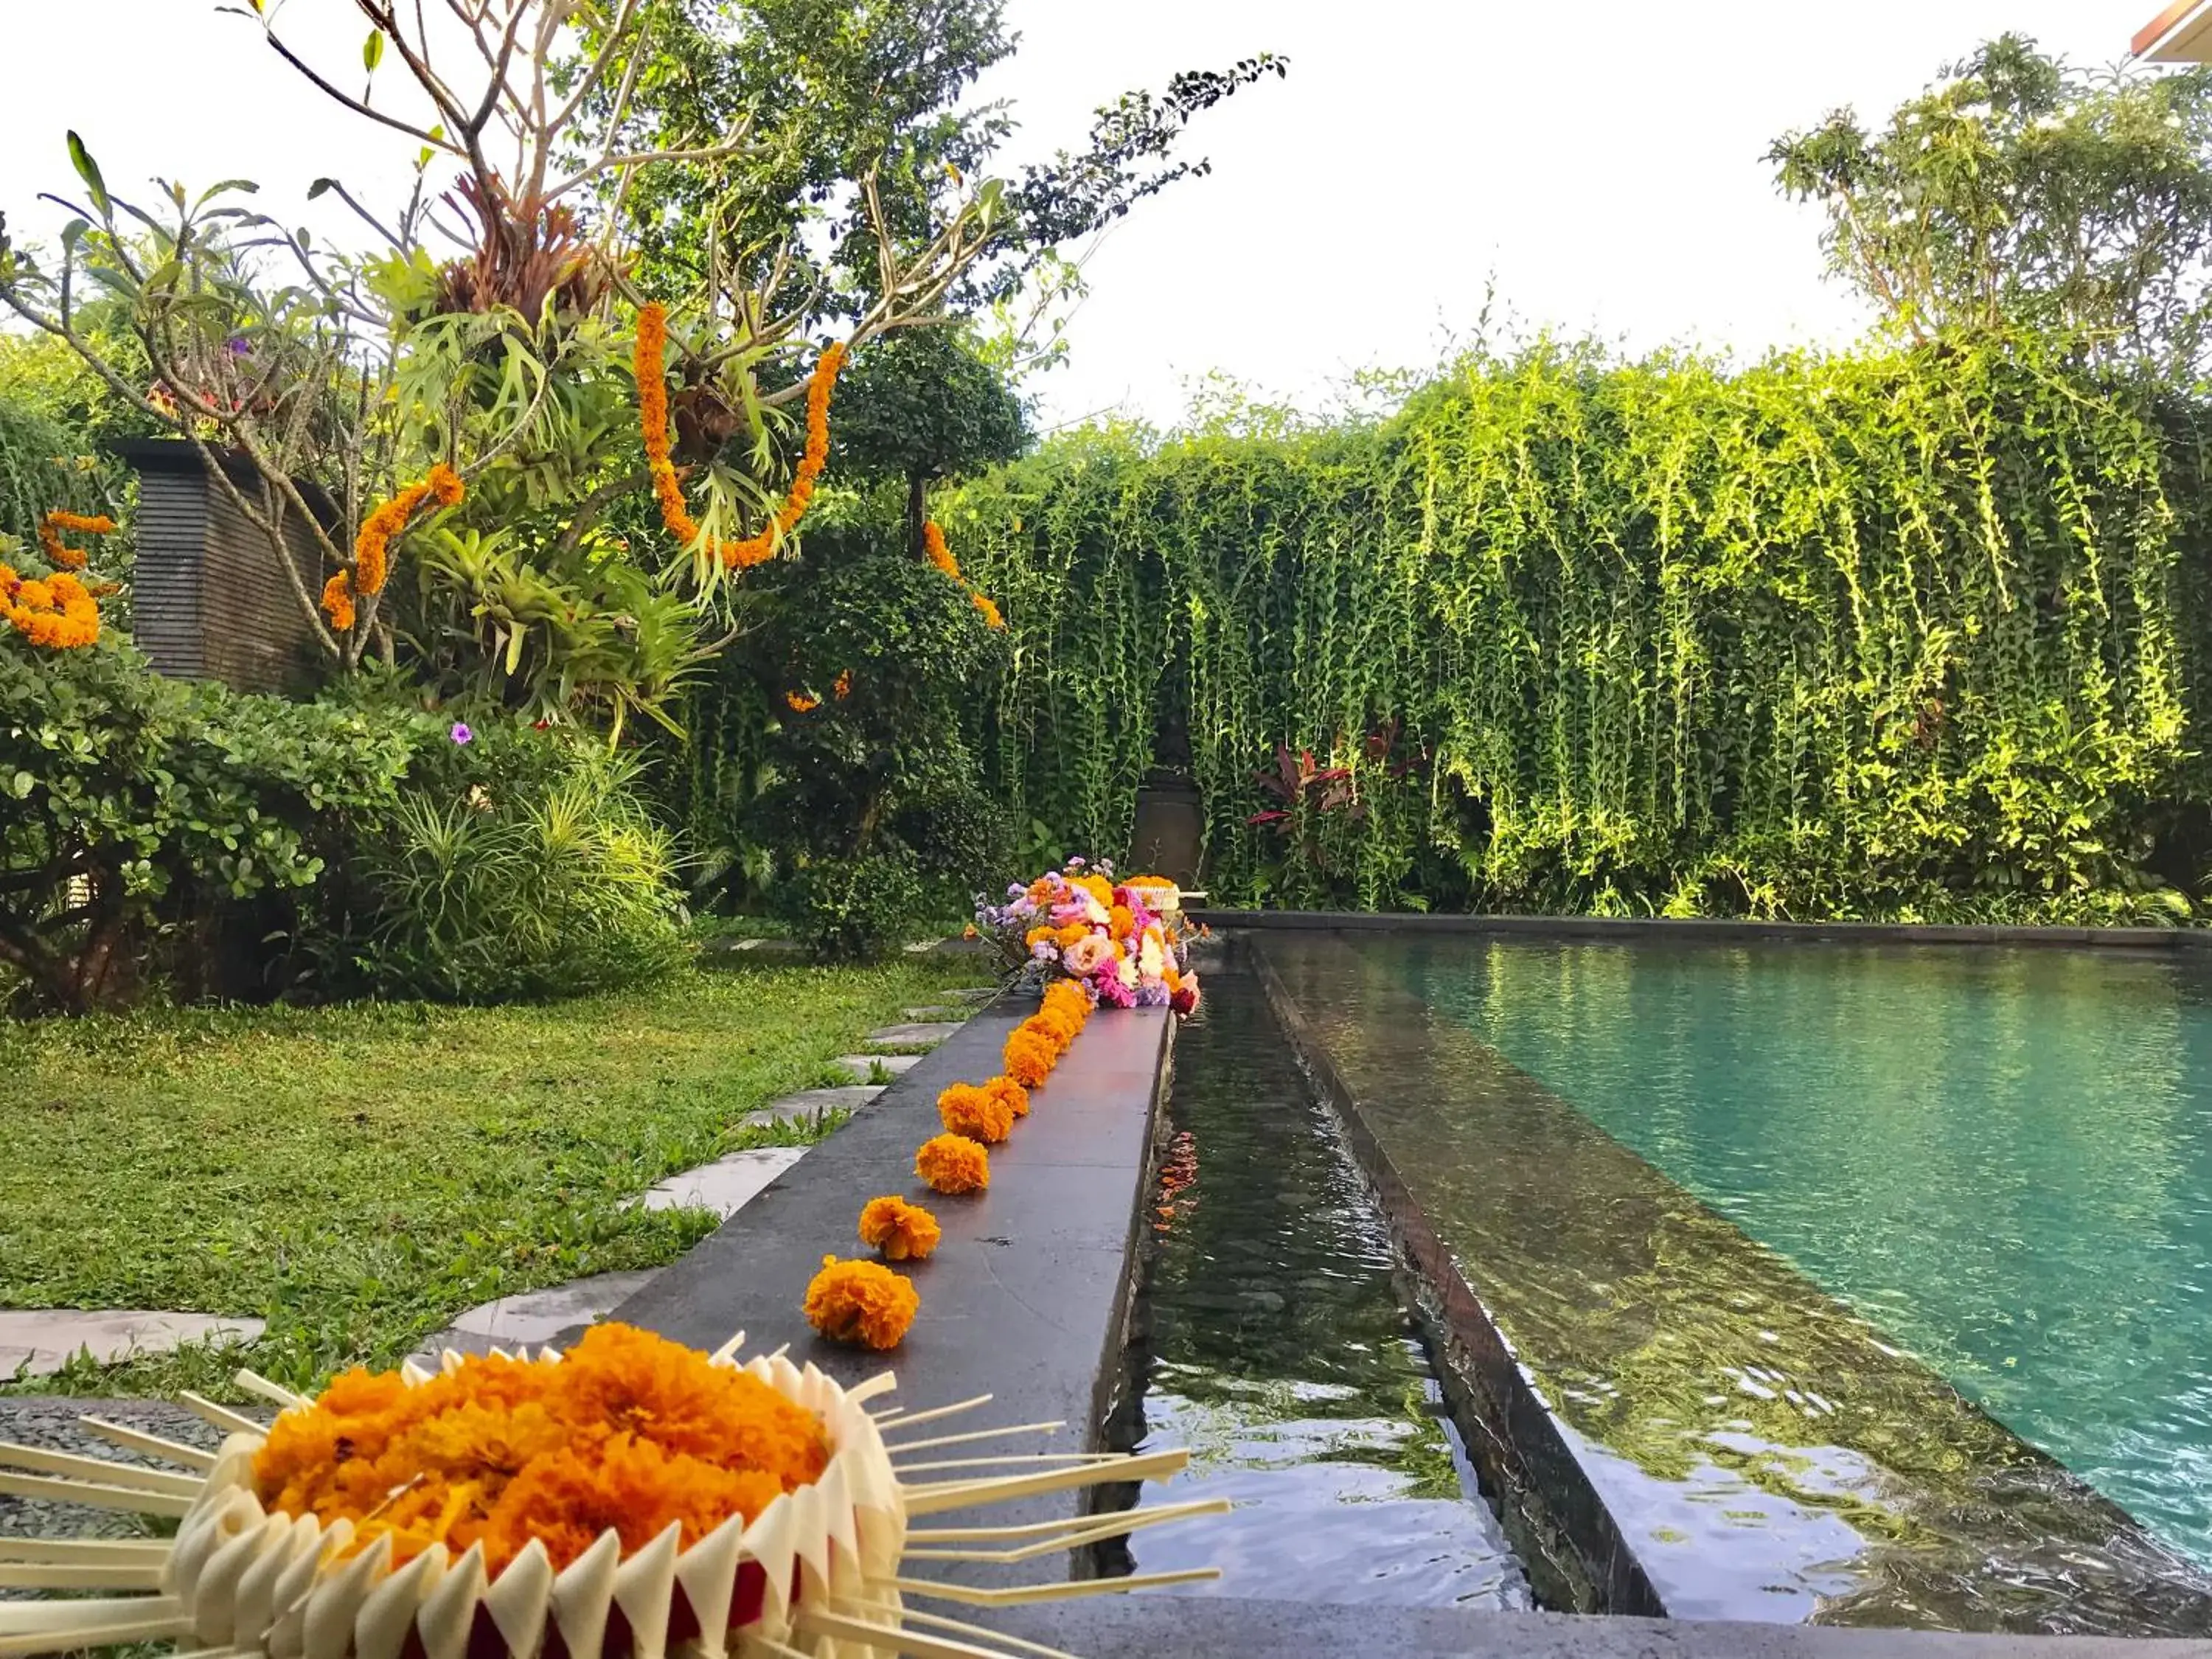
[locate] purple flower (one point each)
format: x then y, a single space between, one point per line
461 733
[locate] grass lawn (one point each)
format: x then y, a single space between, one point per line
358 1175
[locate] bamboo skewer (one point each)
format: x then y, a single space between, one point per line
275 1393
86 1552
153 1445
132 1500
939 1621
973 1435
1046 1528
223 1416
935 1412
1011 1457
962 1494
819 1621
1021 1596
1111 1526
99 1470
56 1576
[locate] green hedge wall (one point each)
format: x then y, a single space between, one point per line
1913 635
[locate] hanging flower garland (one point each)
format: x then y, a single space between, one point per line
56 612
651 364
372 548
57 524
932 543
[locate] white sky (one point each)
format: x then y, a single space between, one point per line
1601 160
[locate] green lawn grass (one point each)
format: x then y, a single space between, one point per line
358 1175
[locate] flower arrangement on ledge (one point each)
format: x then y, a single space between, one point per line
1112 939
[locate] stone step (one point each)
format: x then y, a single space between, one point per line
916 1033
536 1319
39 1341
810 1105
863 1065
726 1185
932 1016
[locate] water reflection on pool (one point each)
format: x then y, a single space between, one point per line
1282 1357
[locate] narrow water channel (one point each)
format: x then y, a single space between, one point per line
1280 1354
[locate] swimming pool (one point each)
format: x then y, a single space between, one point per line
1792 1235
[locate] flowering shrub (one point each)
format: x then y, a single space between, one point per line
1077 924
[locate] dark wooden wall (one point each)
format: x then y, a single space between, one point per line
211 599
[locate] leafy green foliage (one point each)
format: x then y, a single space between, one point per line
920 406
122 794
44 467
1907 633
520 865
2019 191
852 909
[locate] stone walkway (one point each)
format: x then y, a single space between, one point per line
38 1342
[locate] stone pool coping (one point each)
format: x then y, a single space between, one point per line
1567 1491
1026 1299
1234 1627
1665 928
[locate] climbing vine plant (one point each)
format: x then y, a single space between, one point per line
1901 634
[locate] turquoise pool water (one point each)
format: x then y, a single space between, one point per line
2003 1158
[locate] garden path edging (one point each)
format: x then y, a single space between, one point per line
1026 1297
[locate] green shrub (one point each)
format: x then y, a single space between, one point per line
131 805
517 865
852 909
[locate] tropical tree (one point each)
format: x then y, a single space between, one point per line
2016 187
567 375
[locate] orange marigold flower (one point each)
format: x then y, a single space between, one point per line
860 1302
932 542
844 688
1069 998
337 599
1122 922
903 1232
1056 1025
55 523
800 704
991 617
1009 1094
973 1112
1036 936
58 613
1074 933
952 1165
630 1433
372 548
1029 1057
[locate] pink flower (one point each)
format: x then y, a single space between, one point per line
1087 955
1110 992
1185 1000
461 733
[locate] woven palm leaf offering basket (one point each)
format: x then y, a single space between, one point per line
630 1499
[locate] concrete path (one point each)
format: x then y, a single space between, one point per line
812 1105
863 1067
38 1342
726 1185
915 1034
536 1319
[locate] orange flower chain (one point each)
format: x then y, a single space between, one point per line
627 1432
57 524
903 1232
651 362
860 1302
58 611
932 542
372 548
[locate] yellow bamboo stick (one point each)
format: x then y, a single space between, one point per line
819 1621
936 1412
132 1500
939 1621
1064 1523
1110 1526
53 1575
153 1445
275 1393
87 1552
1073 1589
973 1434
223 1416
963 1494
39 1461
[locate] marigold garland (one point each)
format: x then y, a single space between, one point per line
953 1165
651 365
629 1431
844 688
1029 1057
932 543
991 617
1010 1094
800 704
56 612
337 600
903 1232
57 523
975 1113
861 1301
